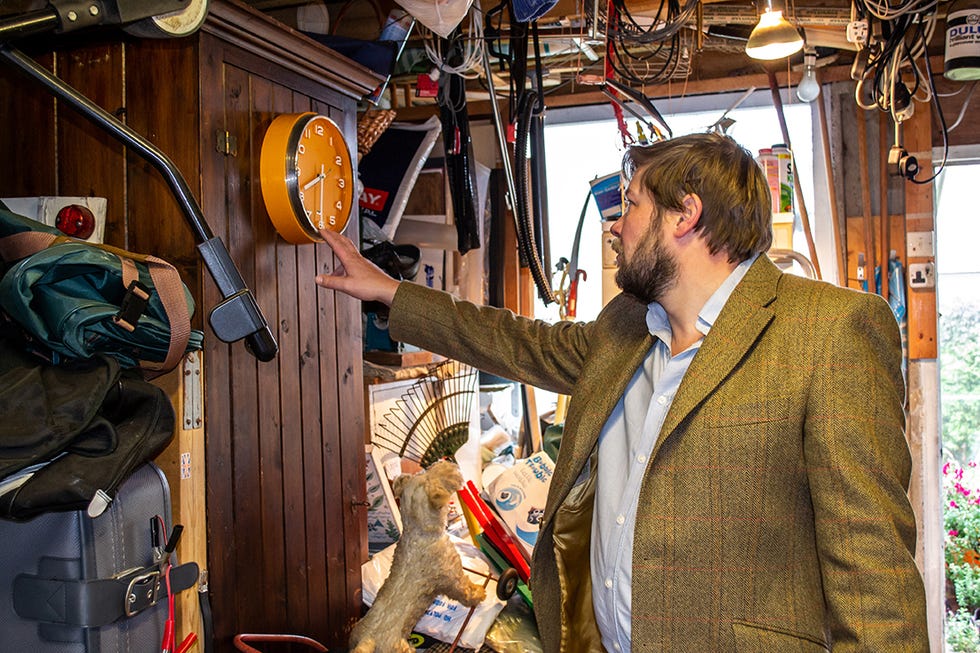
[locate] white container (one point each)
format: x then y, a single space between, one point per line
782 230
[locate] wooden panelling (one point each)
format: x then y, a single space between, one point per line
27 106
96 71
167 115
856 240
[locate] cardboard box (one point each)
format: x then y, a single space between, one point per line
518 496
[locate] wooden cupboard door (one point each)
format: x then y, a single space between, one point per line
285 443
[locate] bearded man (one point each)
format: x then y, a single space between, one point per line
721 485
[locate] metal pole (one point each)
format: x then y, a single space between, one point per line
120 131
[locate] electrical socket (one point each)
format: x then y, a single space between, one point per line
922 275
857 32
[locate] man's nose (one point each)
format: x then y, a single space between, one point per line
617 227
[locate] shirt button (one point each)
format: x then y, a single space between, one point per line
620 520
616 646
661 400
608 583
641 458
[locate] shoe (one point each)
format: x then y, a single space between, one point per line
398 261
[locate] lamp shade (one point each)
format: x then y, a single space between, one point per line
773 37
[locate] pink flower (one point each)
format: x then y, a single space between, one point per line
954 533
971 464
959 474
952 504
945 469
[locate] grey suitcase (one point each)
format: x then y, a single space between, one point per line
73 584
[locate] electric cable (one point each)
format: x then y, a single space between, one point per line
468 47
646 53
943 130
897 44
522 205
966 104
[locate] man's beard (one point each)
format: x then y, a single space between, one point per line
649 273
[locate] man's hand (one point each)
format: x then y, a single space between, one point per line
355 275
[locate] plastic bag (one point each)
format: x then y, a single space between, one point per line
440 16
527 10
444 617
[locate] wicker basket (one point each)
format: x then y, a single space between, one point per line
370 125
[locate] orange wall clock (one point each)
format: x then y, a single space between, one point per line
307 176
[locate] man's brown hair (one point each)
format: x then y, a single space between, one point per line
736 214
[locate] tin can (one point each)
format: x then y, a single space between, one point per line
767 161
781 185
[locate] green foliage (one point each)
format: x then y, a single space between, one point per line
962 635
959 341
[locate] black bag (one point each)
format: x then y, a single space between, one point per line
71 433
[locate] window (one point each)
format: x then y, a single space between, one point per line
578 152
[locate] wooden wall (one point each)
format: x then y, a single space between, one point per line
284 439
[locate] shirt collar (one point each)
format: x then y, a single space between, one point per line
657 321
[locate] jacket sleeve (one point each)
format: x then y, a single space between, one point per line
858 465
492 339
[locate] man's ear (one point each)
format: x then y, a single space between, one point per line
689 216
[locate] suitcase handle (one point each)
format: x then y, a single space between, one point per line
241 645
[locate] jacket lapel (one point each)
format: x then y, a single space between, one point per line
611 367
741 321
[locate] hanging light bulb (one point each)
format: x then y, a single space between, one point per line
773 38
808 88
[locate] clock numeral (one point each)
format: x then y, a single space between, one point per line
339 205
341 183
301 197
319 130
339 161
301 149
308 212
333 220
331 141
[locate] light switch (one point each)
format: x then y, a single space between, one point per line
919 244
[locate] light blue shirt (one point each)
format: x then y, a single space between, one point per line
625 445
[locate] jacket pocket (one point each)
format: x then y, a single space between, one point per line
753 638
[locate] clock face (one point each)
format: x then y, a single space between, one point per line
307 176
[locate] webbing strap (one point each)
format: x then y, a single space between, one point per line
165 278
170 288
94 603
21 245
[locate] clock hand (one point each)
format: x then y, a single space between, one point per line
316 180
320 213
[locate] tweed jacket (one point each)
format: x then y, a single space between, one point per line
773 515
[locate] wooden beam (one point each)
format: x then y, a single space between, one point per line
183 463
675 89
835 222
919 216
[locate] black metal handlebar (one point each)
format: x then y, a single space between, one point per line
238 315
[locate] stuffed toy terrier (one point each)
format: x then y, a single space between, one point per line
425 564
